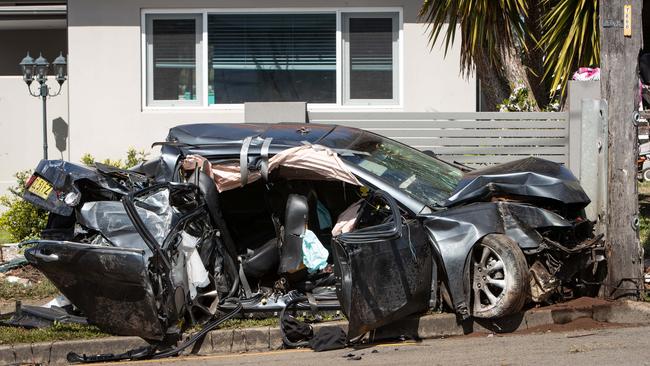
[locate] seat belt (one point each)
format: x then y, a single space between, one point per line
244 281
313 305
264 153
243 160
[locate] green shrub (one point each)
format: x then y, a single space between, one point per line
133 158
518 101
21 220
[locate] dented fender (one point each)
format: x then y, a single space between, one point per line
454 233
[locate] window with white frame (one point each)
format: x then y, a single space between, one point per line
173 51
332 57
370 57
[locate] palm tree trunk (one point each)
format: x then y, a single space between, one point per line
494 88
497 81
534 57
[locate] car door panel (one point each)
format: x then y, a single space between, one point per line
383 277
110 285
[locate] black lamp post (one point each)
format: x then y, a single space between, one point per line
38 70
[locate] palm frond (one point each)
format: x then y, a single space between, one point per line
570 39
486 26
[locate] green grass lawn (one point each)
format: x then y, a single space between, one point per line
57 332
63 332
15 291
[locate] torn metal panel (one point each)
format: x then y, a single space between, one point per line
111 220
28 316
126 288
384 282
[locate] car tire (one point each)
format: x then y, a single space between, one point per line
646 175
499 277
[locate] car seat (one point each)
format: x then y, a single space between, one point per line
263 260
211 198
295 223
285 255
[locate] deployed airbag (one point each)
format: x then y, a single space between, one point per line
197 276
314 254
301 162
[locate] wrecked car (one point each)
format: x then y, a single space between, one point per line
254 216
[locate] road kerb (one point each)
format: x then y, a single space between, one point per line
262 339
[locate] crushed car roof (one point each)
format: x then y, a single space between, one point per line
332 136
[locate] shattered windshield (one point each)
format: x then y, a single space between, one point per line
423 177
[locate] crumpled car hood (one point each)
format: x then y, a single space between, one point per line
530 177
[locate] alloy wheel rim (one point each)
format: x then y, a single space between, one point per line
488 279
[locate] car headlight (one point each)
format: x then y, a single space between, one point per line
72 198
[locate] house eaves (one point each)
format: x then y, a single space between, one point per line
33 15
34 10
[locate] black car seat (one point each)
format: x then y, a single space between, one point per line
263 260
256 263
286 257
211 197
295 222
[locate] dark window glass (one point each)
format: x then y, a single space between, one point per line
174 59
371 58
272 58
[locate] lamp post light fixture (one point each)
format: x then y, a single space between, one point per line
38 70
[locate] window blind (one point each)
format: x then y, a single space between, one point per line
371 44
272 41
174 43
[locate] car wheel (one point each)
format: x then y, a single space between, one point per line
499 275
646 175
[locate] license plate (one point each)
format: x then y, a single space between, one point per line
41 188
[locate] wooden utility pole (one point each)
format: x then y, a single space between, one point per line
620 40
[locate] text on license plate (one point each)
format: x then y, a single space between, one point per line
41 188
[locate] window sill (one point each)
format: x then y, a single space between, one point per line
240 108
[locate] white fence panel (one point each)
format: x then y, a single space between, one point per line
475 139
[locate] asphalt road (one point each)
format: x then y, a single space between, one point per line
610 346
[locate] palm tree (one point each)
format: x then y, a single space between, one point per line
535 43
570 39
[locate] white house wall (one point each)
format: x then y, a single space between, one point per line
21 126
106 111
